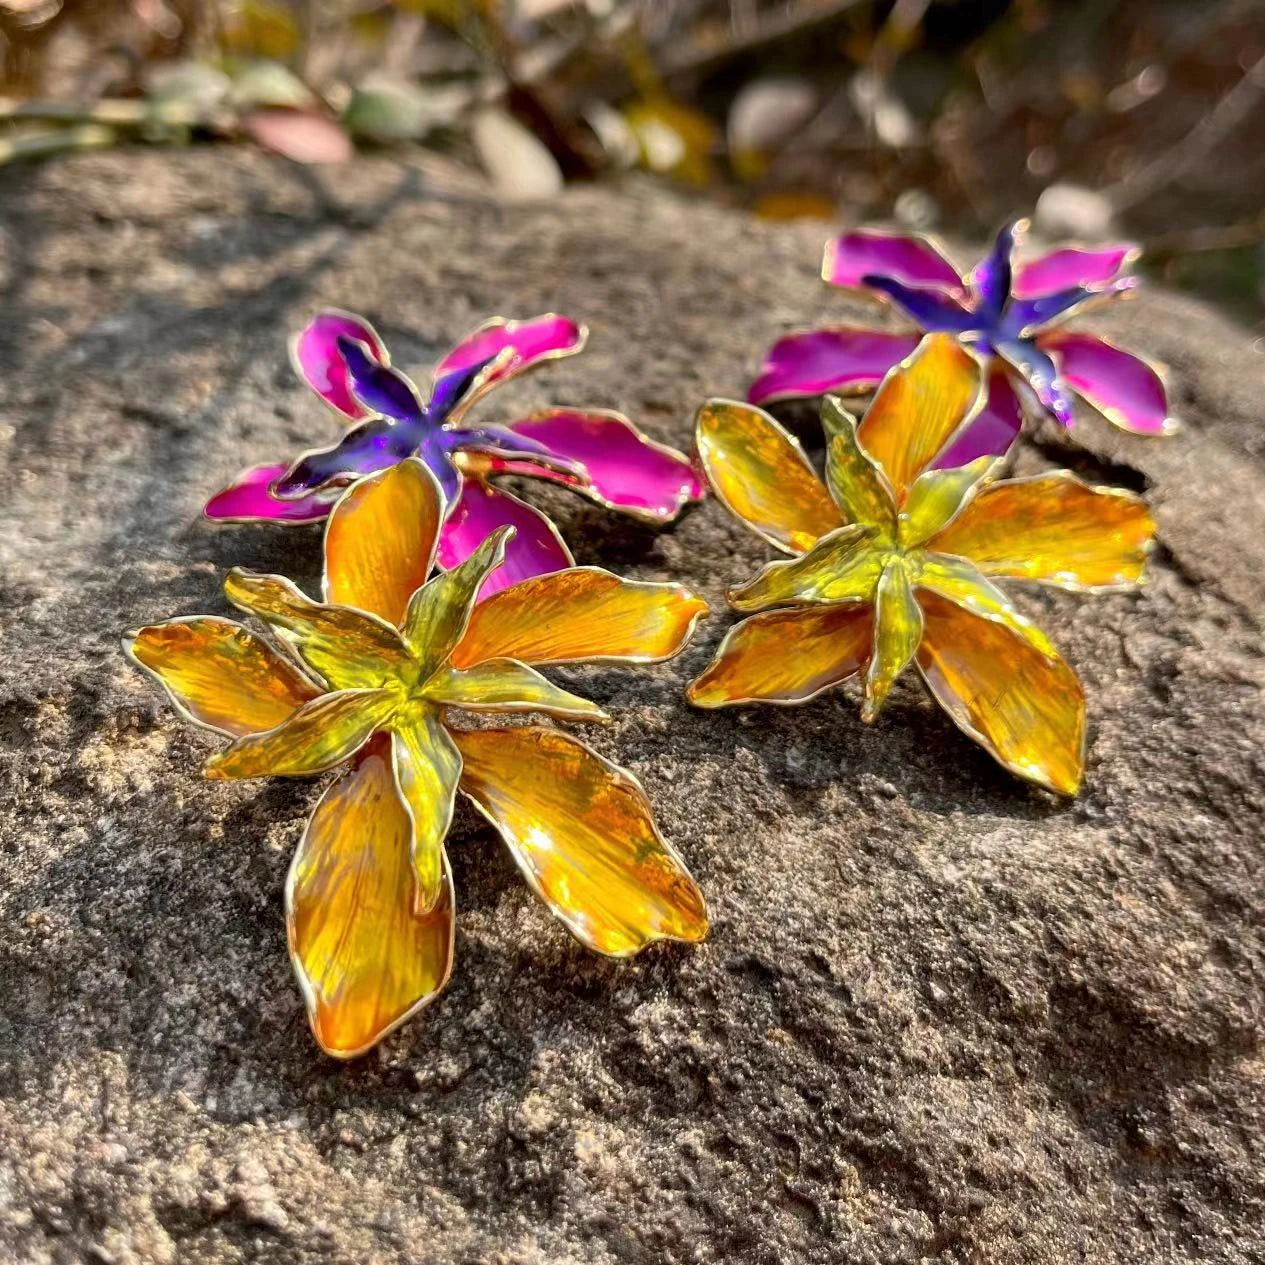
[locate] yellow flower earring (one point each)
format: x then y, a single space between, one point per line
376 678
894 560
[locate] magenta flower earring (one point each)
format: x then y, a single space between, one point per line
1010 315
599 453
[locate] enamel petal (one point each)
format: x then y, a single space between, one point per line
527 343
897 631
859 487
937 496
1122 387
1070 266
828 360
248 500
318 361
912 260
504 685
841 567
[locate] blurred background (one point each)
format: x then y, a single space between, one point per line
1099 117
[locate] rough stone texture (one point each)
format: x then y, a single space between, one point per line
941 1015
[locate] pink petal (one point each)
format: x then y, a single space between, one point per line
828 360
627 471
318 362
1070 267
536 548
247 500
1123 388
993 429
912 261
541 338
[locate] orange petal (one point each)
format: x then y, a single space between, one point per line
320 735
1026 709
380 540
761 474
505 685
785 656
581 614
366 957
1055 529
219 674
859 487
919 406
581 831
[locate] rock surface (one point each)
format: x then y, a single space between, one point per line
940 1016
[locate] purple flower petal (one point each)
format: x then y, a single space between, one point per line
372 445
1122 387
991 278
626 470
317 360
378 387
516 454
247 499
1027 315
934 312
1071 266
536 548
911 260
1041 374
455 388
828 360
541 338
992 431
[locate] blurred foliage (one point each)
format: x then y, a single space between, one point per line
1137 116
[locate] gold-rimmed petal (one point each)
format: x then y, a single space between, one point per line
937 497
582 833
1056 529
761 474
841 567
897 632
350 649
504 685
427 767
380 540
219 674
583 614
785 656
320 735
858 485
919 406
1025 708
366 956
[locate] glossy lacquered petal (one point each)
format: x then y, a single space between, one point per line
369 446
219 674
841 567
1071 266
377 386
991 277
928 309
919 408
350 649
427 765
1122 387
908 259
320 364
320 735
1056 529
762 475
1025 708
937 496
626 470
380 541
504 685
828 360
365 955
536 548
785 656
1025 317
992 431
583 614
1035 367
859 487
529 343
897 632
248 499
582 833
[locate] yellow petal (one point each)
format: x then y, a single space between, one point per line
919 406
959 581
440 610
859 487
1055 529
842 567
581 831
380 540
321 734
366 957
427 766
219 674
350 649
785 656
897 632
760 473
581 614
937 496
1025 708
502 685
